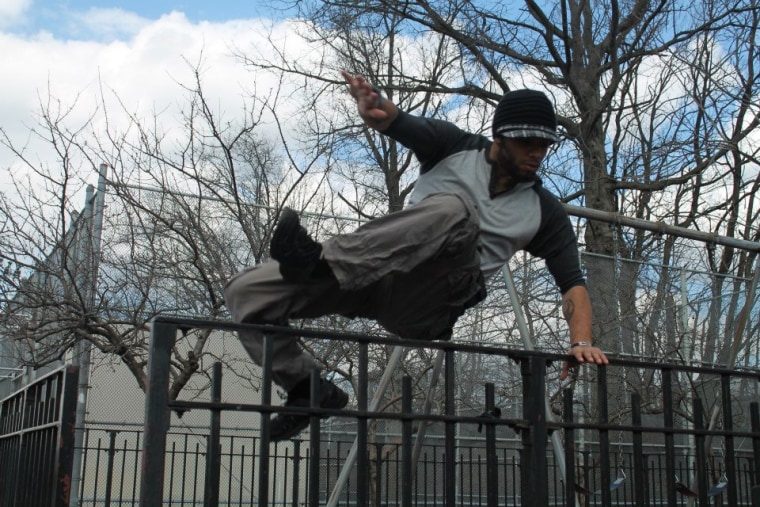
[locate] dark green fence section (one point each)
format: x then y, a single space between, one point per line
37 441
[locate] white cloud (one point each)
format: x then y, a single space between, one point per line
106 23
145 71
12 11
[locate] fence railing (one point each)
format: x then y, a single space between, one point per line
112 460
37 441
537 482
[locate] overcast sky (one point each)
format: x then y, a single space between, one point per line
138 49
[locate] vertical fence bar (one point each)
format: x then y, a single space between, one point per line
406 441
754 411
214 451
668 420
604 437
729 456
109 467
538 473
492 480
639 468
157 415
378 476
450 432
700 440
526 451
266 400
67 427
314 447
362 463
296 482
567 418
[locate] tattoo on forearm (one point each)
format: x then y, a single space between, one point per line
568 309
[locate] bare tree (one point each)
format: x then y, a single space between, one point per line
184 212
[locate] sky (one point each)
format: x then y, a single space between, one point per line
140 51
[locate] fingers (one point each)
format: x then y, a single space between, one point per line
589 355
356 83
582 355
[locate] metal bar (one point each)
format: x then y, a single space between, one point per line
474 348
536 419
492 480
214 451
314 447
604 437
754 412
266 399
670 452
729 457
567 418
449 480
422 427
639 466
396 356
522 326
661 228
109 467
157 415
701 471
526 451
65 445
362 462
406 442
296 490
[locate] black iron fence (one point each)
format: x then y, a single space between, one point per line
527 475
112 460
37 441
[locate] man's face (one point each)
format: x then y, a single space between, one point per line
520 158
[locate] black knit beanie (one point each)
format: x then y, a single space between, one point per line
525 113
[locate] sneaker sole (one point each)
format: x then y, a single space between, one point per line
287 226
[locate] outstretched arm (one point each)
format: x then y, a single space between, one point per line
576 307
377 111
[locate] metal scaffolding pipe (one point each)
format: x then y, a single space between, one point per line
660 227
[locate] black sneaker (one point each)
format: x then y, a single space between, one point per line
287 426
291 246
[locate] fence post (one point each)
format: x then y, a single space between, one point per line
492 480
604 436
213 455
157 415
109 468
567 418
534 476
407 476
450 431
701 452
754 409
729 458
639 466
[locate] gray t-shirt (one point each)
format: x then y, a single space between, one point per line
527 217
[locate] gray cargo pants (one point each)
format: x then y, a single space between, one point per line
414 271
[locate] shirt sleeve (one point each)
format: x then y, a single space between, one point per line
431 140
556 243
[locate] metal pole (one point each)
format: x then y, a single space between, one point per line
422 428
661 228
88 254
345 472
559 455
